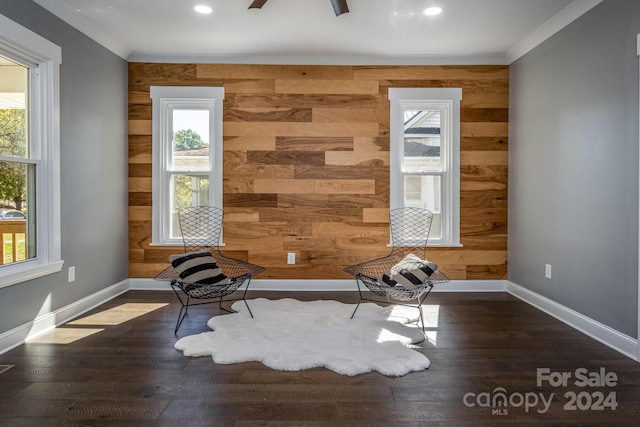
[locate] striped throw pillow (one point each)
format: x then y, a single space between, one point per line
410 272
198 267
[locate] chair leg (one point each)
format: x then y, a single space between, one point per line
183 309
420 301
361 298
244 296
181 315
421 316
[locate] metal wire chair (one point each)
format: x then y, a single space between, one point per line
201 228
410 229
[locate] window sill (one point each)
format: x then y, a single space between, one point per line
176 245
28 271
432 245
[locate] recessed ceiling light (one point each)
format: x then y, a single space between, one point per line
204 9
432 11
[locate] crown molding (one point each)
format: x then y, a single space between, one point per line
565 17
343 59
76 20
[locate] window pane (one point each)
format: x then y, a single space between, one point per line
17 212
190 140
422 148
13 109
186 191
425 191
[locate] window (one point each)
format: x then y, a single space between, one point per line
187 154
425 157
29 155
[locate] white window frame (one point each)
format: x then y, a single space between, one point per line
43 58
165 99
448 100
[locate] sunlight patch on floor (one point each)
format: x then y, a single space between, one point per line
431 314
118 315
5 368
64 335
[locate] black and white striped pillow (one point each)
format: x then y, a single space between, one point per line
411 271
198 267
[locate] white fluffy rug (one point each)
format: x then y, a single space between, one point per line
292 335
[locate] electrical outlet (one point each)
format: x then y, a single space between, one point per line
291 258
547 271
72 274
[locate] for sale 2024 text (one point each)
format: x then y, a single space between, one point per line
586 400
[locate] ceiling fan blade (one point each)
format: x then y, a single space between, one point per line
257 4
340 6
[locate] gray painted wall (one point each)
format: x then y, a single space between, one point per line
573 166
93 151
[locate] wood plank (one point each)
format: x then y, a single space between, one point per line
362 201
285 158
300 129
249 86
483 178
284 186
140 184
237 184
139 112
140 199
305 100
344 186
357 158
310 214
484 199
375 215
242 215
489 129
484 115
140 149
302 200
140 213
250 172
326 86
341 172
468 257
244 230
142 97
267 114
484 158
250 199
487 272
351 115
351 229
140 170
239 143
436 72
140 127
362 243
311 72
317 143
484 143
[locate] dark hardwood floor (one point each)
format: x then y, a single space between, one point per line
116 366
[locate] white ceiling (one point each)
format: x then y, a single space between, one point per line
307 31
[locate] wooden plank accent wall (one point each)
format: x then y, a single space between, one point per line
306 164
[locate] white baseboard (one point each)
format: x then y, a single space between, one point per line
608 336
46 322
596 330
300 285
